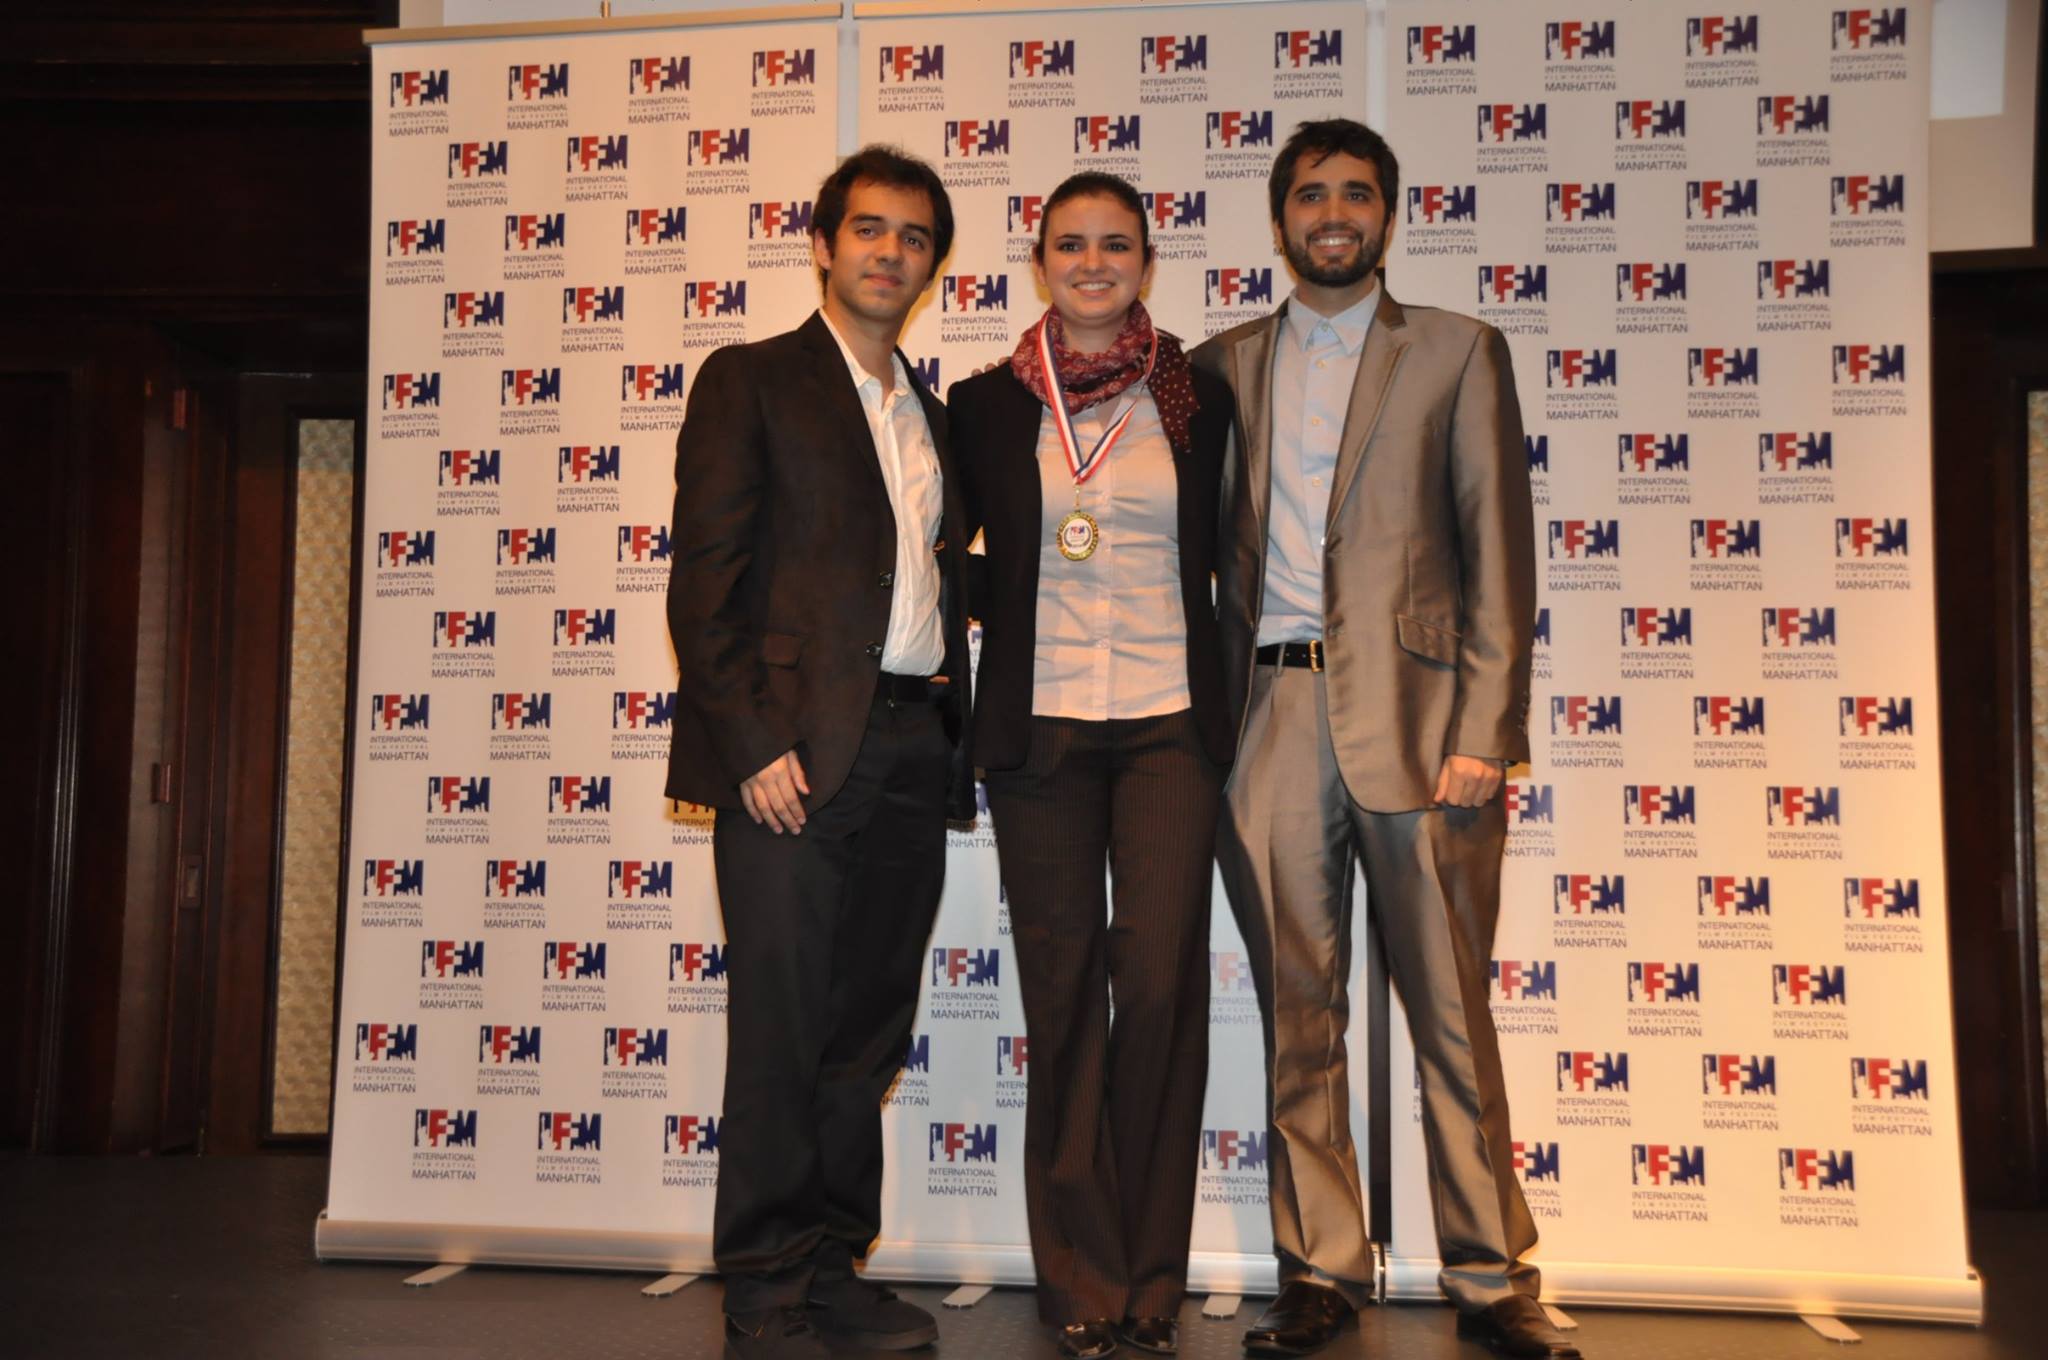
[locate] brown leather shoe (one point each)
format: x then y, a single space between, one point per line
1159 1335
1518 1326
1303 1319
1090 1340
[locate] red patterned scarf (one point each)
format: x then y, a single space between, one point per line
1091 379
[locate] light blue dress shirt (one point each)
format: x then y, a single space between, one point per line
1315 360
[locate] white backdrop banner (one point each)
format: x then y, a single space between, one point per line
1722 973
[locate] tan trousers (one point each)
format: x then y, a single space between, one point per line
1290 835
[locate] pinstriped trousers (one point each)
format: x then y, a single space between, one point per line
1114 1113
1288 846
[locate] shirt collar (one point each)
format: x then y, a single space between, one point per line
1351 324
862 379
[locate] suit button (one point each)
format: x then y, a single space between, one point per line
886 579
874 649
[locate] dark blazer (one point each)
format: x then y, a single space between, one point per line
995 437
784 567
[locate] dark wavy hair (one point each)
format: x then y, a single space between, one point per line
1323 139
1094 184
895 168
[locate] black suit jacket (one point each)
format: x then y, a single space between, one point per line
995 437
783 572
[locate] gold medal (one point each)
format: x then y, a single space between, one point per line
1077 536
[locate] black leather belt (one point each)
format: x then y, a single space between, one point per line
905 689
1309 654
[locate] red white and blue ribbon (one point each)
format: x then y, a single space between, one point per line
1083 466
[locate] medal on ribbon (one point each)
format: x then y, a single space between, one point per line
1078 534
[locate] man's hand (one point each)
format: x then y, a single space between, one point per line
774 796
1467 781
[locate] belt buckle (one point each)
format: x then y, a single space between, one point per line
1315 654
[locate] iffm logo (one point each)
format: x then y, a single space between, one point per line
1170 210
1637 119
378 1042
1809 984
1576 540
405 548
629 1046
1579 40
658 75
536 231
977 137
1727 715
1788 628
1881 899
525 547
1237 287
696 961
1802 805
465 628
962 1143
566 960
1721 366
449 795
472 310
1720 200
444 1128
644 543
1588 894
659 226
1816 1171
1721 35
1501 284
1790 451
1041 58
1537 448
721 146
1573 201
1523 980
1585 715
906 65
641 383
1230 971
1720 539
1790 280
1444 44
416 236
1237 129
1869 365
418 89
451 958
1880 1078
584 794
515 710
1013 1055
586 627
586 464
562 1131
1530 804
507 1045
530 81
1658 805
1296 49
1655 983
594 154
1233 1149
529 387
1644 453
956 968
782 67
643 710
1732 1076
965 293
509 878
1645 281
400 712
1582 1072
1577 369
411 391
1868 715
1173 53
1098 133
640 879
779 220
478 160
689 1135
1536 1162
1866 195
1730 895
1437 205
1668 1165
917 1054
704 298
1509 123
1860 30
1787 115
1024 210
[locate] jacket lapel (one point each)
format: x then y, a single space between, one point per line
1252 378
1384 344
839 404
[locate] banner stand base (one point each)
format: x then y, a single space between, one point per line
1891 1298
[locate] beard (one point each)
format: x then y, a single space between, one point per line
1339 275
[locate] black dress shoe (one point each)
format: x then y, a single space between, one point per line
869 1316
1090 1340
1159 1335
772 1334
1517 1325
1304 1318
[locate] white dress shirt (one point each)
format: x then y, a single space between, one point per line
916 641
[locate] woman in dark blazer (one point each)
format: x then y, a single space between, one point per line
1100 723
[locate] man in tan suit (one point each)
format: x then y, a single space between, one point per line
1376 592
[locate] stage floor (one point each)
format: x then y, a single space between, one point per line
185 1256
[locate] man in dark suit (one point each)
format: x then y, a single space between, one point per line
817 609
1376 602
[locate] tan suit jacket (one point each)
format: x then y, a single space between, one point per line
1429 585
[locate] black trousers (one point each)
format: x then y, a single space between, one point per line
826 933
1113 1123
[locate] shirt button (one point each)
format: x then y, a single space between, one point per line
1322 363
1102 644
886 579
1315 481
1315 420
874 649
